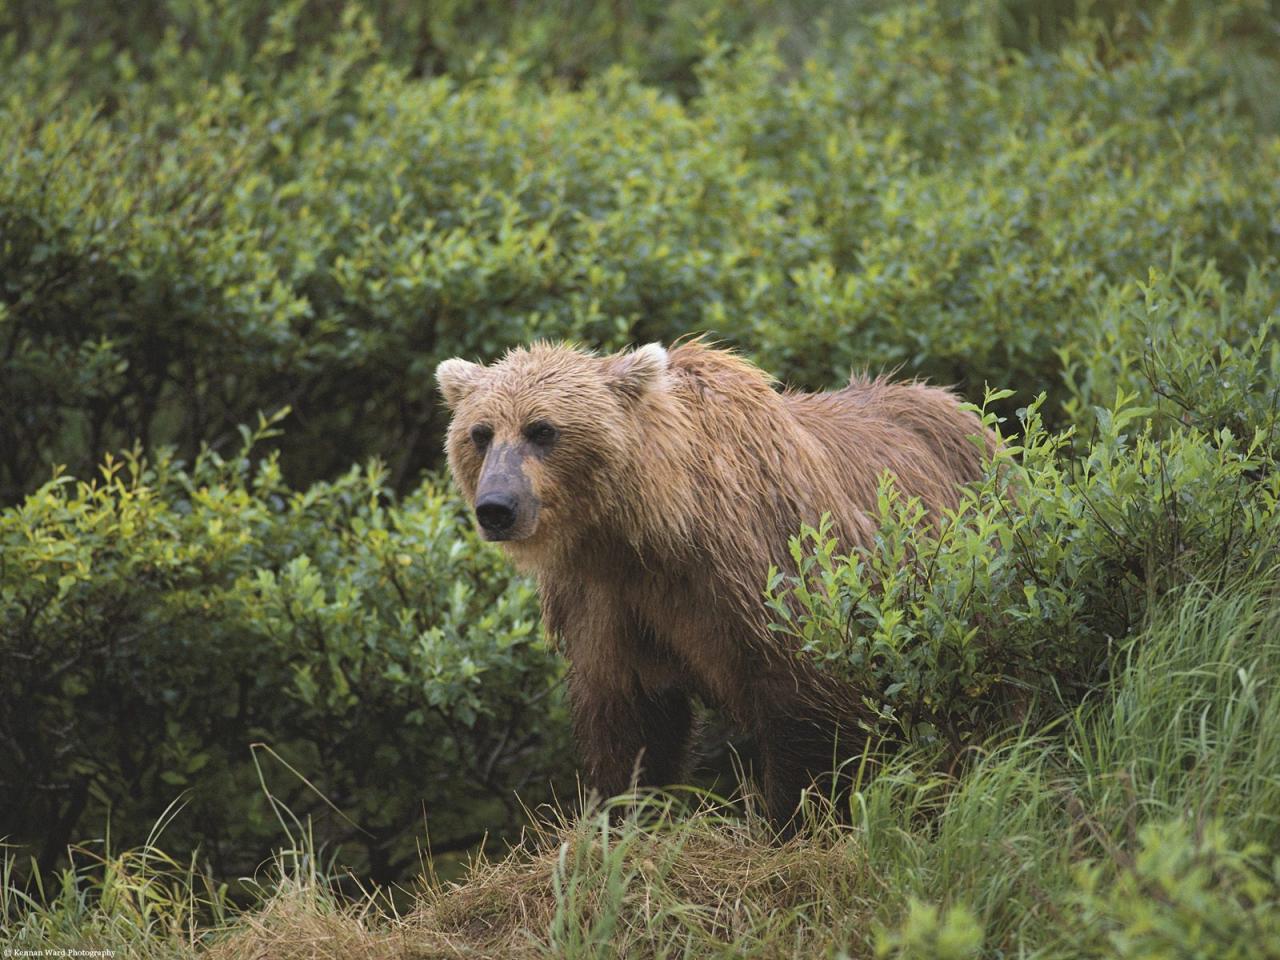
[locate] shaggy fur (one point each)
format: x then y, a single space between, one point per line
673 482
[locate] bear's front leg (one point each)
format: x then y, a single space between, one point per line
626 734
798 752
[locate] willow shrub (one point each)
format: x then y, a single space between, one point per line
318 225
206 636
1008 611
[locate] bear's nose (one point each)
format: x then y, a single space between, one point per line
497 512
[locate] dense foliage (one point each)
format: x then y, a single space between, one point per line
225 212
187 244
208 636
1010 610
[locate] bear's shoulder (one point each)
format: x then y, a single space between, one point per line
704 369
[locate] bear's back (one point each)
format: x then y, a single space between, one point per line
917 432
825 452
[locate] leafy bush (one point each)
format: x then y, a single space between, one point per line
204 634
171 44
311 224
1205 352
1008 610
1144 825
927 932
1191 891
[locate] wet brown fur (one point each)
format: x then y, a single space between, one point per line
671 490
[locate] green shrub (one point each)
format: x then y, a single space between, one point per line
929 933
311 223
1143 826
165 44
1204 352
204 634
1008 611
1187 891
151 45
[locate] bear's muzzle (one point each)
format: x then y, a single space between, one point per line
506 507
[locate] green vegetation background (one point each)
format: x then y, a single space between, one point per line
236 237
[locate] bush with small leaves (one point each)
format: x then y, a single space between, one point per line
1188 890
204 232
1007 610
204 634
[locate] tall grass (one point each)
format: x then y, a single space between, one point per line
1146 824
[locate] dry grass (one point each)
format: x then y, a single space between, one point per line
297 925
651 884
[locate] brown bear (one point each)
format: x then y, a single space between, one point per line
649 492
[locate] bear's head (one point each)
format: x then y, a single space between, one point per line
537 438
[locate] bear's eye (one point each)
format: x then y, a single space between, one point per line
541 433
481 435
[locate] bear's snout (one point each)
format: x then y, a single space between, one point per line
506 504
497 514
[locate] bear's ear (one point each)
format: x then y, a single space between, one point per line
457 378
632 375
